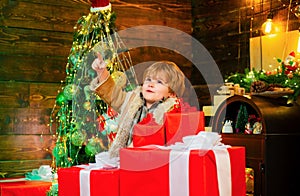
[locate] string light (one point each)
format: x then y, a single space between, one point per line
268 27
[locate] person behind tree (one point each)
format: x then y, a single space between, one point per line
163 84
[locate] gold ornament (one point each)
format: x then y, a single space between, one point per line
119 78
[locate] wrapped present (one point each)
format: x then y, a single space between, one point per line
150 172
21 186
182 170
148 134
88 180
178 125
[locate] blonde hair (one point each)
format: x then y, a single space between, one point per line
174 76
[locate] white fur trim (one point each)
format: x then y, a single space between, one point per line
97 9
162 108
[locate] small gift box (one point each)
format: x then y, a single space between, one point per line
148 134
86 180
178 125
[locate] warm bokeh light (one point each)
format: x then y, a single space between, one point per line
269 27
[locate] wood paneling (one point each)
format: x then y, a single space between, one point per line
224 28
35 39
25 137
20 167
47 16
25 147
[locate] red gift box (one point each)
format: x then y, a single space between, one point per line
101 181
24 187
148 134
178 125
147 172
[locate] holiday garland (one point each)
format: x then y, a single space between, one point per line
286 76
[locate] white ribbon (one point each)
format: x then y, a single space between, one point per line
179 164
84 178
179 173
223 171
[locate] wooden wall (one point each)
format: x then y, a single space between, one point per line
224 27
35 40
36 36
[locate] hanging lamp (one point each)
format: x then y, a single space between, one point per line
268 27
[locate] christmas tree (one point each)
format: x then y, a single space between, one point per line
242 119
83 124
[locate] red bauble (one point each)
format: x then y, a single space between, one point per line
111 136
111 112
101 121
99 3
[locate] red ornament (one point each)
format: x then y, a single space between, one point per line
111 112
101 121
111 136
100 3
292 54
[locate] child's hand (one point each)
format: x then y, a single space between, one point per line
98 64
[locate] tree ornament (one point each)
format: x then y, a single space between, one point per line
59 150
111 112
70 90
87 105
78 137
60 99
101 120
119 78
93 146
290 59
111 137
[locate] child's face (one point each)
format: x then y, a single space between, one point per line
155 89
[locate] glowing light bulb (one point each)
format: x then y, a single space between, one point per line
268 27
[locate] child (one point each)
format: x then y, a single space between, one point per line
163 83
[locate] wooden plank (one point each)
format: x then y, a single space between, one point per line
25 94
14 94
43 95
176 14
26 147
32 68
41 15
18 168
24 121
30 42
